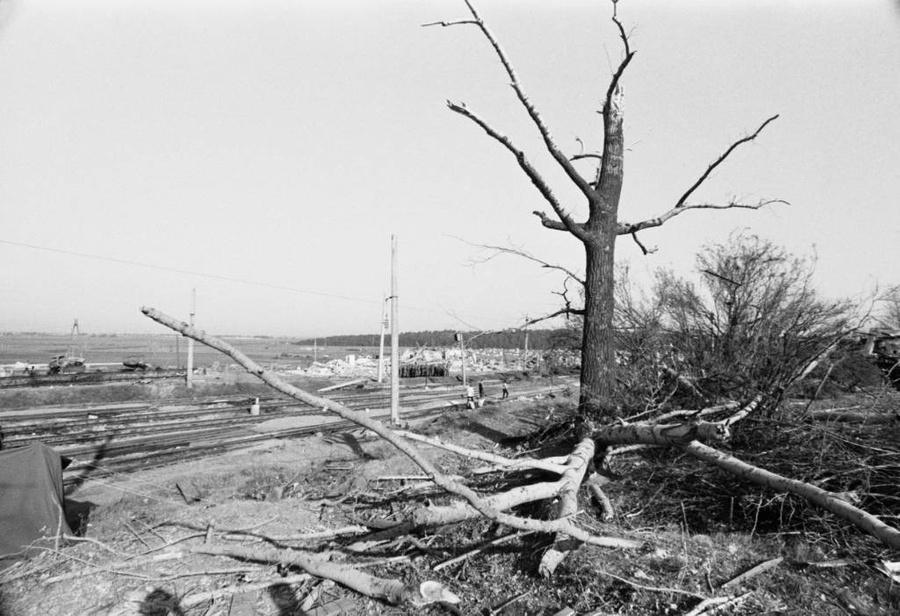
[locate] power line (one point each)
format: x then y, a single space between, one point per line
256 283
188 272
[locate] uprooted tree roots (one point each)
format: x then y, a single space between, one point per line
571 472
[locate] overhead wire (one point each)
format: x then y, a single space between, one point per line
221 277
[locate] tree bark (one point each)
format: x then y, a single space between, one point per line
598 343
568 504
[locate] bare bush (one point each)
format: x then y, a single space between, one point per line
755 322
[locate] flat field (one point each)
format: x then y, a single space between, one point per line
165 350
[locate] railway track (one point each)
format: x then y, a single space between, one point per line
86 378
112 438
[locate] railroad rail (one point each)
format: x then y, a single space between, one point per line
87 378
111 438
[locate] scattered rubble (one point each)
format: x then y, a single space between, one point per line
443 362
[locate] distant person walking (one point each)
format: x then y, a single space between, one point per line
505 391
480 389
470 397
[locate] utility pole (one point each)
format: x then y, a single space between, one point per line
384 323
395 337
190 352
462 357
525 357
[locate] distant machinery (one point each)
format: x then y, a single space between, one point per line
73 360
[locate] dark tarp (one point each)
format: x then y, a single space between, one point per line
32 503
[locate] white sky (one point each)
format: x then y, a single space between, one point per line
284 142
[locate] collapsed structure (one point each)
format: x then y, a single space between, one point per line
424 361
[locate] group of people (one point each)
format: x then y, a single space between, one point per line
470 394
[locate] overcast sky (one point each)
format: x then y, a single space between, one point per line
264 152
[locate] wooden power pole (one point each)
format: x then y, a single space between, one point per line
384 322
395 338
190 352
462 357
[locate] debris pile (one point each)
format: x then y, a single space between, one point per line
352 366
423 361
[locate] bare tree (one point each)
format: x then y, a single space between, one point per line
599 231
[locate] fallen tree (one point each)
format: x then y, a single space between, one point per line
493 508
571 471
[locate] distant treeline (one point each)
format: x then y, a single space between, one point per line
537 339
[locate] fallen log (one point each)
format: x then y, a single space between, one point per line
477 502
663 434
392 591
570 482
504 463
828 500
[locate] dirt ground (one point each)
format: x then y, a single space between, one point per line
699 530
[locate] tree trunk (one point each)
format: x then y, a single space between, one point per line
597 345
598 378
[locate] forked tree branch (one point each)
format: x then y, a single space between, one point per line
567 222
567 303
721 159
554 150
633 227
498 250
608 181
620 70
682 205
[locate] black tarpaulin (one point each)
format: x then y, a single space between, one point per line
32 504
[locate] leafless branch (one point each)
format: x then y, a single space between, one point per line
582 155
643 248
721 277
518 252
553 315
532 173
681 205
549 222
588 155
549 142
457 22
567 303
620 70
681 202
625 227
